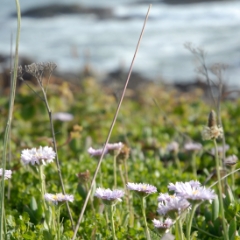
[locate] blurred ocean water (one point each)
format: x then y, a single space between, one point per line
64 39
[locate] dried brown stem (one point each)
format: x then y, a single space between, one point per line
111 128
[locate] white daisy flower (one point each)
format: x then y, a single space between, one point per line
96 152
41 156
142 189
193 146
171 205
192 191
58 198
162 226
7 174
63 116
115 146
109 196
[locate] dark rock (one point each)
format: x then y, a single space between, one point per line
3 58
60 9
189 86
118 78
188 1
227 93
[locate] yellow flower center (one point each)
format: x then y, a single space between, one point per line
195 192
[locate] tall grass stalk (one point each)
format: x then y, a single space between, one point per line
9 121
220 195
111 127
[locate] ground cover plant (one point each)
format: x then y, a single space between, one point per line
167 171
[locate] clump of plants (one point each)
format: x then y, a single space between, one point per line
76 166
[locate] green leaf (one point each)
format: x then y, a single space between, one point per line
11 221
194 235
217 226
125 219
229 197
25 217
33 204
215 209
232 229
28 236
81 190
98 236
28 111
47 235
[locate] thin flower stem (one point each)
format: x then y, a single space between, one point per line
110 130
220 195
91 200
5 224
9 122
179 229
53 218
106 215
194 165
43 191
122 178
112 221
126 190
189 224
58 223
233 179
177 162
144 218
125 171
100 179
128 196
42 179
55 149
115 170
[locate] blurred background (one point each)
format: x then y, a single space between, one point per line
104 34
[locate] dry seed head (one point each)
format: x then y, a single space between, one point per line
123 155
83 176
37 69
19 71
212 131
212 119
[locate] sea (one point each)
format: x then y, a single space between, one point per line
71 41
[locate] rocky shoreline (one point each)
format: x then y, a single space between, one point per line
113 80
52 10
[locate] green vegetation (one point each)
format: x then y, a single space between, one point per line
144 127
